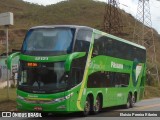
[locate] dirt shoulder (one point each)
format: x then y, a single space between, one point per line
9 105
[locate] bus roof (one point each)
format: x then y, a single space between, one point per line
53 26
94 30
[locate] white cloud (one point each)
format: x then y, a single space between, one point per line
130 6
44 2
155 13
101 0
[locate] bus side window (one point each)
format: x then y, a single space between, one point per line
96 48
83 39
99 45
109 46
107 79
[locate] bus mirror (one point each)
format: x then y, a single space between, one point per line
70 58
10 58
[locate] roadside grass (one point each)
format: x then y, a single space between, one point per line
7 104
151 92
3 94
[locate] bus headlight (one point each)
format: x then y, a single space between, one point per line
62 98
59 99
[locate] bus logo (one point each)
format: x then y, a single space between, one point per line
138 71
38 108
41 58
116 65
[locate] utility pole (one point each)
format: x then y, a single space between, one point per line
6 19
7 51
112 18
143 35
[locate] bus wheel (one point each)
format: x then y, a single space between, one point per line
133 101
97 106
87 107
129 101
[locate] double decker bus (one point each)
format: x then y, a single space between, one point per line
69 68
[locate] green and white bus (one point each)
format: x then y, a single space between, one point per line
69 68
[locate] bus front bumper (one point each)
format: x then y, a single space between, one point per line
58 107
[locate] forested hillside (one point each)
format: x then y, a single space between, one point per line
79 12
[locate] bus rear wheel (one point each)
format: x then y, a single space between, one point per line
97 106
129 102
133 101
87 107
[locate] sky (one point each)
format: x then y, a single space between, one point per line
130 6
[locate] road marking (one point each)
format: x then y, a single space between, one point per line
148 106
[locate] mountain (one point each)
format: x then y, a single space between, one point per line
79 12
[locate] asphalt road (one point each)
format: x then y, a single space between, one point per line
150 107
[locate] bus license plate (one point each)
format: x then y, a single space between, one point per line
38 108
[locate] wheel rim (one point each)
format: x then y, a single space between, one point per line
129 101
128 104
133 100
87 107
97 105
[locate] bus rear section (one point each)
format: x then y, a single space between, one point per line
116 72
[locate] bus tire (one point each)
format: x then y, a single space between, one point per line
129 101
133 101
98 105
87 107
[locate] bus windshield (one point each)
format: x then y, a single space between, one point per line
48 41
